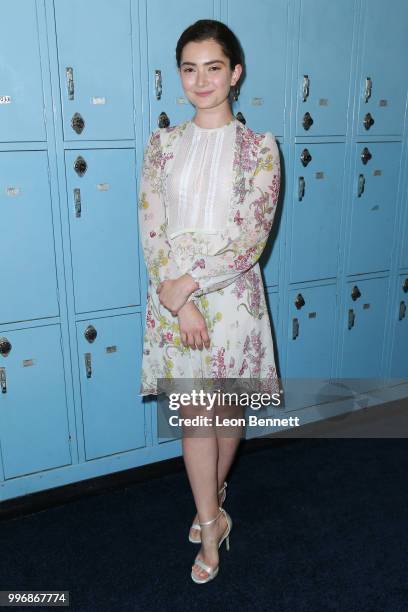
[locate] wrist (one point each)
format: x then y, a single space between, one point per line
188 284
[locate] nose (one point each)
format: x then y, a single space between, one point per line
201 78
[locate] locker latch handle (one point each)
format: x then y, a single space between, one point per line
295 328
367 89
70 82
77 201
402 310
3 380
158 84
361 183
88 365
301 188
305 87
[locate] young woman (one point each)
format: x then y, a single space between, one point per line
208 194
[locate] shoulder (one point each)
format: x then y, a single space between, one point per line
167 135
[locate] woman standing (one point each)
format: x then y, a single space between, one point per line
208 194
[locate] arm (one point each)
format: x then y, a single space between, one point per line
245 241
159 259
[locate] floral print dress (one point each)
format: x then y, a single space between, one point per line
221 255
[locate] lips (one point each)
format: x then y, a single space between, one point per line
203 93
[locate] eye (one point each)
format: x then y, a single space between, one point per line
187 70
215 67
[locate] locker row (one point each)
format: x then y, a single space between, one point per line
99 102
37 427
101 199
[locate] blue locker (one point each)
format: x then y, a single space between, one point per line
323 71
262 29
382 83
109 354
373 206
21 93
102 212
34 432
315 213
363 326
399 318
27 252
95 68
310 331
164 25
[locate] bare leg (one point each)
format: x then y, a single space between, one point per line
200 452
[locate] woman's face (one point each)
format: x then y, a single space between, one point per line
205 69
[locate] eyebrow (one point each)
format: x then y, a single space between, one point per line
205 63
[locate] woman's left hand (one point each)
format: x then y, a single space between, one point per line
173 294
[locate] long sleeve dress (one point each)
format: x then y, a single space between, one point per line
207 201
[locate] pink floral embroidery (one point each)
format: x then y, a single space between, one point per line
199 263
238 219
150 322
219 369
243 367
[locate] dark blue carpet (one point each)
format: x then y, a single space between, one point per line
318 525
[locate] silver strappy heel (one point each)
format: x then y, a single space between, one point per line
212 572
223 492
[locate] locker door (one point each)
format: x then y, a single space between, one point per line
399 358
262 28
363 329
95 68
383 80
21 90
311 331
109 353
373 206
102 207
165 23
33 412
28 268
323 73
314 239
309 361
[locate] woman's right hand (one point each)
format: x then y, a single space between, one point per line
193 328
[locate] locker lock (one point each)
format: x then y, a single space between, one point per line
305 157
77 123
90 333
164 121
300 301
405 286
356 293
5 346
80 165
365 156
368 121
307 120
240 117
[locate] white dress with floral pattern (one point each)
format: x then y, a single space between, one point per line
217 236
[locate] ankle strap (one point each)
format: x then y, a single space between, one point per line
214 519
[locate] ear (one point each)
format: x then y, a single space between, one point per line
236 74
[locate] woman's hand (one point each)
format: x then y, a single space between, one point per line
173 294
193 328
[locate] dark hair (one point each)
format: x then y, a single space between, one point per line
205 29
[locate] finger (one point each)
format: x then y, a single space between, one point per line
191 341
198 341
183 336
206 339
